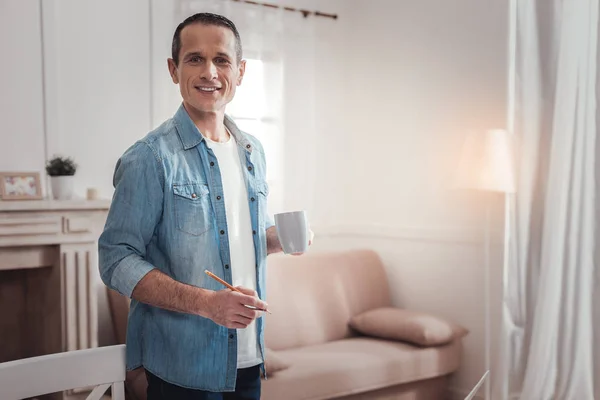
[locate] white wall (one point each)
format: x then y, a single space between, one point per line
420 75
21 96
97 68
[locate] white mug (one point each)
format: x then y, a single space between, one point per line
292 230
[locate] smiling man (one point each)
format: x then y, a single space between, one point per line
192 196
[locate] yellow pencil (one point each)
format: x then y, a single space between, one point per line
232 288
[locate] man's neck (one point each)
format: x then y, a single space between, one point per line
210 124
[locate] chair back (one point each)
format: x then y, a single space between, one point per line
101 367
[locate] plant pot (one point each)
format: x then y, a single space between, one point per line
62 187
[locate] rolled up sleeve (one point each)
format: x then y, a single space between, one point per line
134 213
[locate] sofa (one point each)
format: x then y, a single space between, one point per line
313 299
316 345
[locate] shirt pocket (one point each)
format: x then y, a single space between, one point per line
193 212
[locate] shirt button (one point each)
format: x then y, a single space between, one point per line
254 232
218 197
226 266
231 336
249 167
212 164
222 232
248 146
194 195
251 198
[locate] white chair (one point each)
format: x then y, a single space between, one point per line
101 367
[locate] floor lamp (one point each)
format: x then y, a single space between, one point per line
486 164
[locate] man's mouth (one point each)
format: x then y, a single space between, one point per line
207 88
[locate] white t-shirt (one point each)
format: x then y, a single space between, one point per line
241 243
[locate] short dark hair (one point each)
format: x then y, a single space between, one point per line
205 19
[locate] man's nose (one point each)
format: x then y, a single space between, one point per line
209 72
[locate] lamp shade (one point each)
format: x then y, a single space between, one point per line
486 162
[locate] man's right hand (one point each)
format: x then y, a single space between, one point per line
228 308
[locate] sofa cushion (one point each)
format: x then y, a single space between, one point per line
313 297
355 365
411 326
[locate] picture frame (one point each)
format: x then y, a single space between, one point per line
20 186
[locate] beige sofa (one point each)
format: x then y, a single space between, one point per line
312 299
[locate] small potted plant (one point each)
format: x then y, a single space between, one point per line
61 171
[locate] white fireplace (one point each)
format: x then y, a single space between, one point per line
48 276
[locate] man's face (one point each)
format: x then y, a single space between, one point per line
208 71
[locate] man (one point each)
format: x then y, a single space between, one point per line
191 196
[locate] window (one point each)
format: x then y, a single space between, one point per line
255 111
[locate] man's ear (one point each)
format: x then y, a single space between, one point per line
241 72
173 70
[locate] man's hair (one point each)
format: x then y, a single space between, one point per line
205 19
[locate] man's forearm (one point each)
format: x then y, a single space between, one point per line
160 290
273 244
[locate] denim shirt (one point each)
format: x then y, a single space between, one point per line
168 212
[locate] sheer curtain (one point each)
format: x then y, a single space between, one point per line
276 98
549 315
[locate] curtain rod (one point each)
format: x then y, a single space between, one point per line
306 13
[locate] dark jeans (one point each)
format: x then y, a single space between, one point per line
247 387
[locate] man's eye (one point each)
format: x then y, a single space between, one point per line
195 59
221 60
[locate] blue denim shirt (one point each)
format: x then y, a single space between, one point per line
168 212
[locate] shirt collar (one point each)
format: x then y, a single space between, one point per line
190 135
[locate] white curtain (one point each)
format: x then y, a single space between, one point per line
550 318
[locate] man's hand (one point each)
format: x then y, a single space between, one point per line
228 308
273 243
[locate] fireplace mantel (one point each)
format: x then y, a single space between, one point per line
44 222
53 205
48 276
